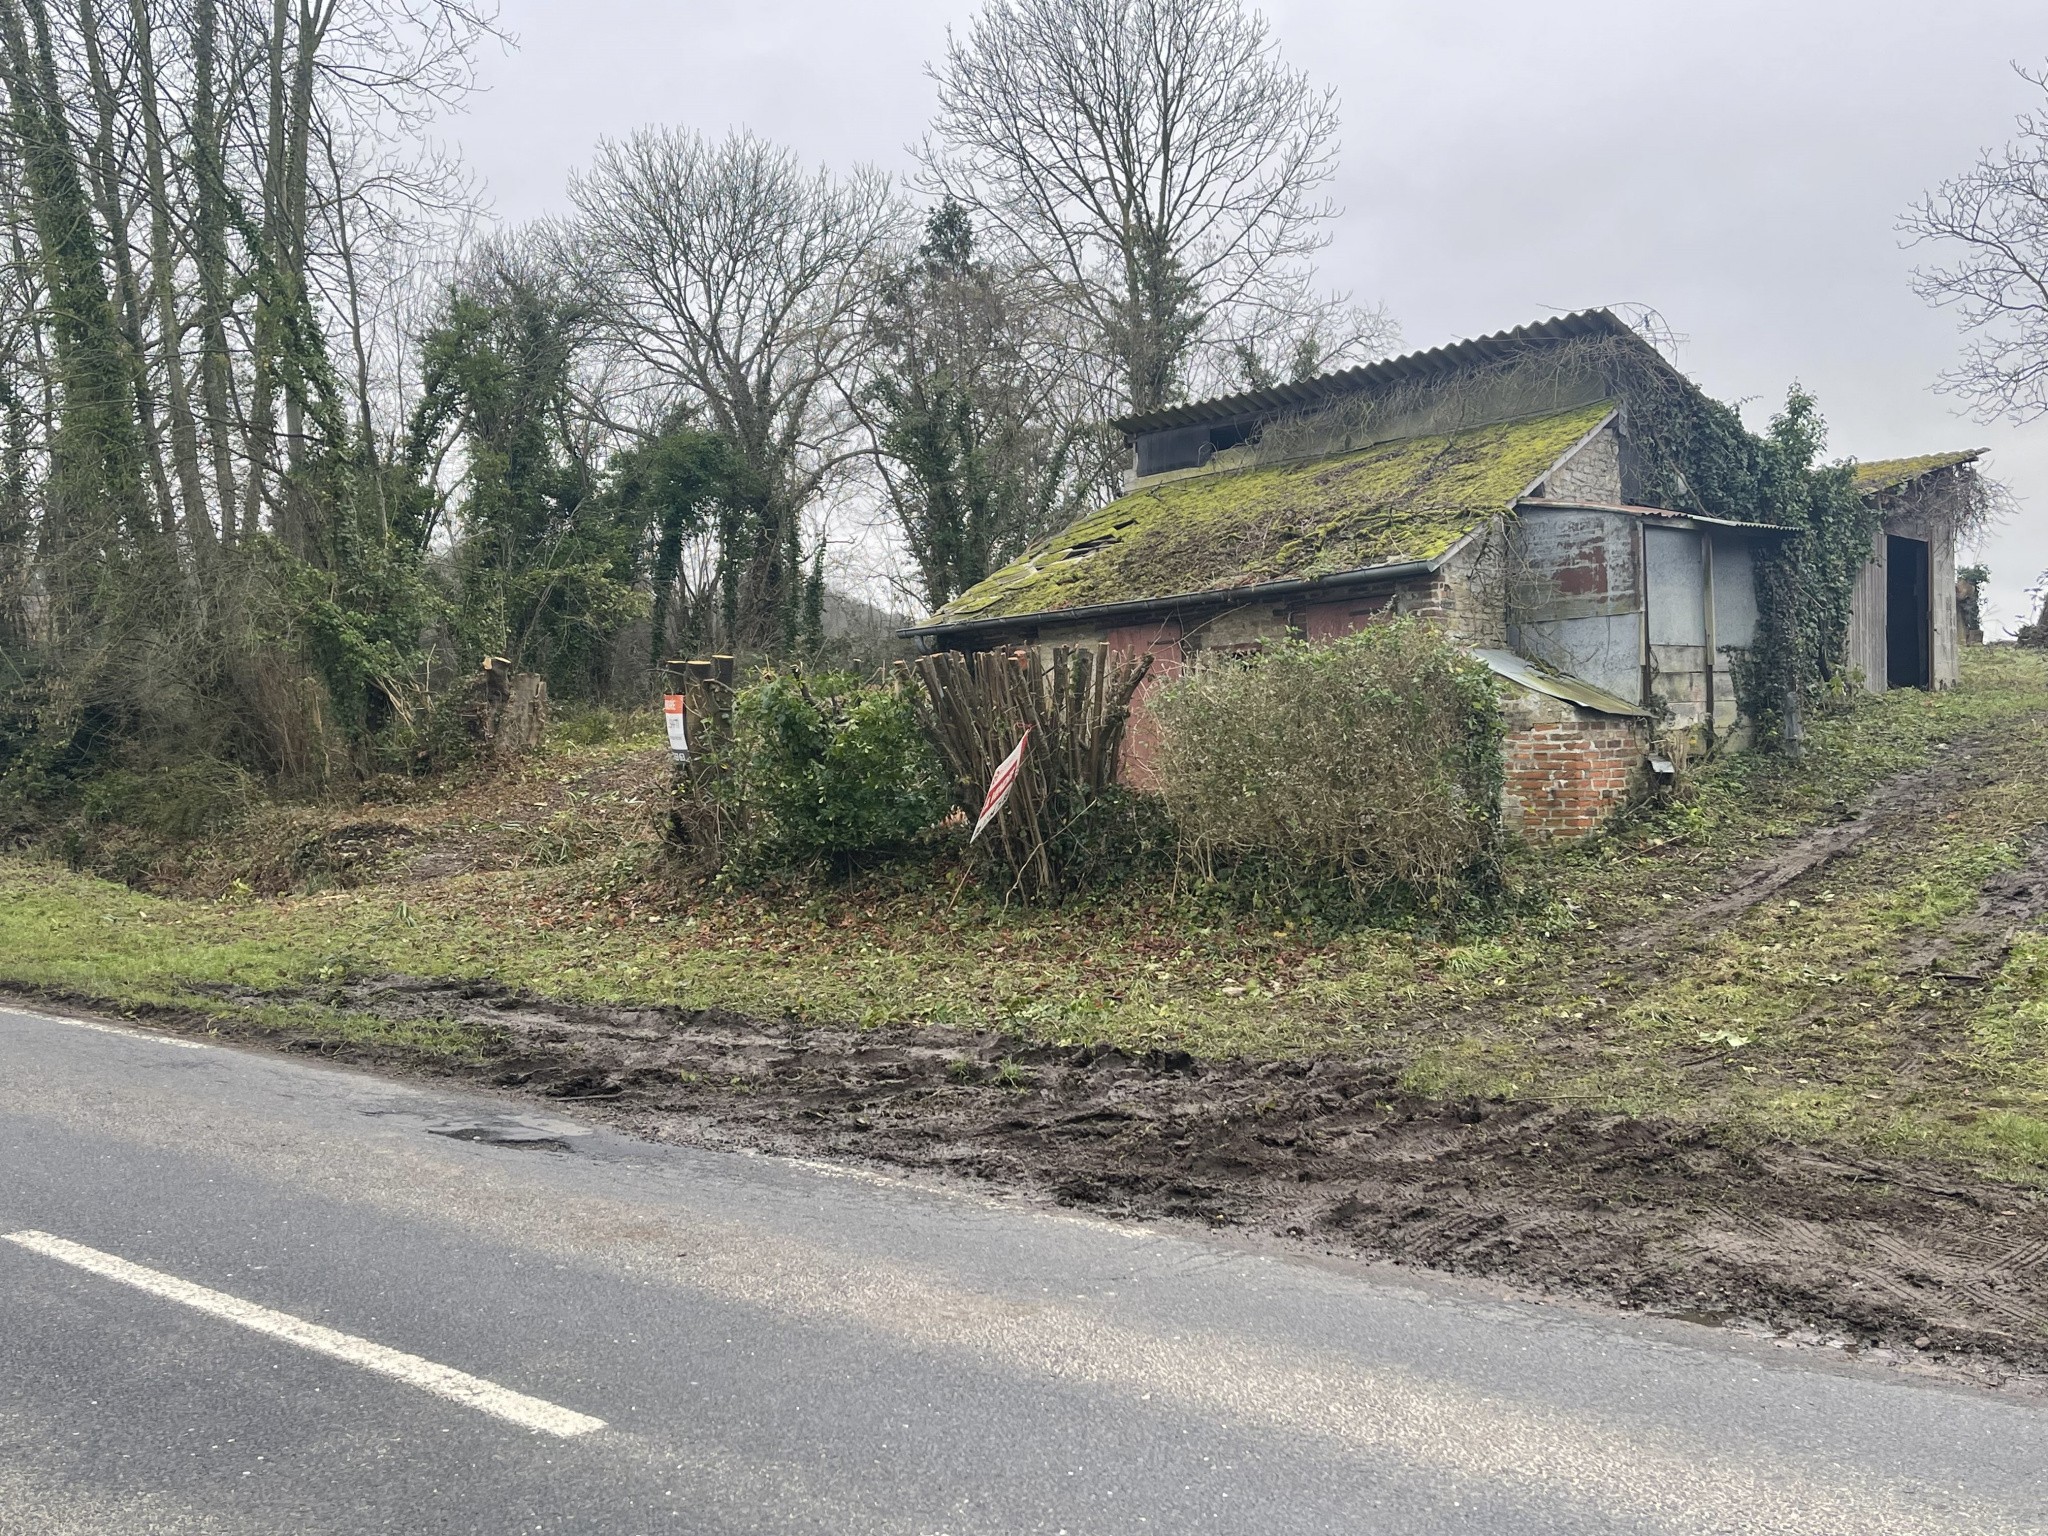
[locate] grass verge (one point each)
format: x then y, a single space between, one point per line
1808 1016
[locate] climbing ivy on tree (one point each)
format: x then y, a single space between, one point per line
680 484
544 567
970 445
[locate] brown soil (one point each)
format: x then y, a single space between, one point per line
1330 1154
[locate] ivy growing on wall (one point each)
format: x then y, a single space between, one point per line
1694 454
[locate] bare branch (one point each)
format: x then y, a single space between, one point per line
1155 160
1993 221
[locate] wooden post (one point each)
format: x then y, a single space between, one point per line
698 817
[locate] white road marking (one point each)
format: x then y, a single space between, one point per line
442 1380
115 1029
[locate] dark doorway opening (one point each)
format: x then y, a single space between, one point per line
1908 645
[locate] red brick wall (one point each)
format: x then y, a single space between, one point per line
1330 621
1141 735
1569 770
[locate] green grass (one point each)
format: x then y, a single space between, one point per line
1796 1019
73 935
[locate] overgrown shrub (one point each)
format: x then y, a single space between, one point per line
828 768
183 799
1374 760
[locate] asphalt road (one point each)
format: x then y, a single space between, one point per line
246 1294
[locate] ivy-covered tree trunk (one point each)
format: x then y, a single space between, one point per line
95 488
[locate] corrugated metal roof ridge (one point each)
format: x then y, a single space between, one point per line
1585 322
1636 509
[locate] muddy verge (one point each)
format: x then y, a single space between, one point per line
1333 1155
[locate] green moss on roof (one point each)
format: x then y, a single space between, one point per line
1394 502
1889 474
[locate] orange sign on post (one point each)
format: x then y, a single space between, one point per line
678 726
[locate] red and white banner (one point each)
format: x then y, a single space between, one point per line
1000 786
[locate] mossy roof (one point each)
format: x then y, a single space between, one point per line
1407 500
1882 475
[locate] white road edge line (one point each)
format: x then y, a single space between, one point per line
441 1380
114 1029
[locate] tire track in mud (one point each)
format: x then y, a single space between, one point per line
1331 1155
1900 805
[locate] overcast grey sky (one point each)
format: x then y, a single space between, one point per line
1738 166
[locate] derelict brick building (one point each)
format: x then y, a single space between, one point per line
1494 485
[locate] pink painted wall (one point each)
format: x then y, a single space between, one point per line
1330 621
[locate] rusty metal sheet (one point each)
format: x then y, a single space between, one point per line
1574 564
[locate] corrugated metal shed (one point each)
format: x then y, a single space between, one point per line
1393 370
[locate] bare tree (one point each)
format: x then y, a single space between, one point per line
1158 161
969 410
1994 218
735 280
1318 335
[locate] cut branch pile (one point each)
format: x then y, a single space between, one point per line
1075 700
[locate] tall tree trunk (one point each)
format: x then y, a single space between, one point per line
106 175
162 267
366 449
94 491
210 256
302 511
265 344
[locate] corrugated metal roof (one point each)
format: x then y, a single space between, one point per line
1413 365
1534 675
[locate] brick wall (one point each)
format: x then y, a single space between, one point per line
1141 734
1469 595
1568 769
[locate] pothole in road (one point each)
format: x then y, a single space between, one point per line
502 1136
